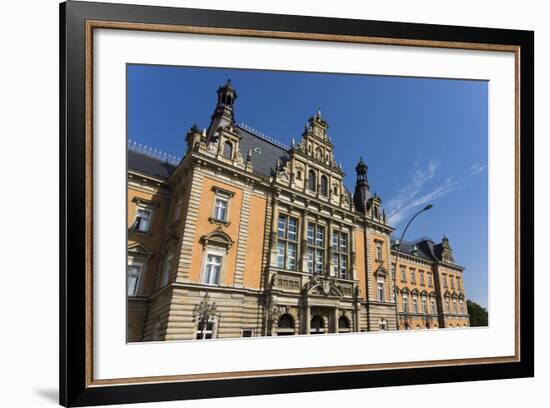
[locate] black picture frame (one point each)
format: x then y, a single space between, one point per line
75 389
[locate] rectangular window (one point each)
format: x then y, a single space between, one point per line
424 306
403 273
134 278
421 273
444 280
340 257
461 307
405 303
205 330
320 236
433 306
392 271
415 304
413 276
448 305
335 264
315 248
143 219
247 333
381 295
291 256
220 209
292 229
379 251
452 278
455 309
212 269
430 280
310 260
335 240
287 247
280 254
319 260
310 233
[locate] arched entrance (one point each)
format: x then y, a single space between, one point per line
344 325
285 326
317 325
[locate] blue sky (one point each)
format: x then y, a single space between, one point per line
424 140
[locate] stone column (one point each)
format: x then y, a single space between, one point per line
335 318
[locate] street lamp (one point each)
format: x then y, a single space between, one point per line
429 206
204 312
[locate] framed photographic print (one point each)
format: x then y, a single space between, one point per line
255 204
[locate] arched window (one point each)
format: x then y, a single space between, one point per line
324 185
343 324
311 181
228 150
285 326
317 326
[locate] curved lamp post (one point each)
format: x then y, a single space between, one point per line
398 247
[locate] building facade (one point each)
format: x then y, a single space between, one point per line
247 237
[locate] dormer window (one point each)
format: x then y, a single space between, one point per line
228 150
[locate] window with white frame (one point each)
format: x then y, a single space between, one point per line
166 268
421 274
212 271
381 289
445 281
142 222
135 270
447 304
379 257
405 297
287 242
403 273
340 254
205 329
413 276
315 248
221 205
430 280
415 304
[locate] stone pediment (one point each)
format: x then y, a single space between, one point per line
139 249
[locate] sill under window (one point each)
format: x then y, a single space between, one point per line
219 222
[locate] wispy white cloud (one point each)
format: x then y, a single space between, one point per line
476 169
420 191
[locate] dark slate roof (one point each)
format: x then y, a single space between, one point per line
424 248
264 153
149 165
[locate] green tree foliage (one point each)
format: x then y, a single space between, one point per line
478 314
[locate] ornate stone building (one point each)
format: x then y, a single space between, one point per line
246 237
